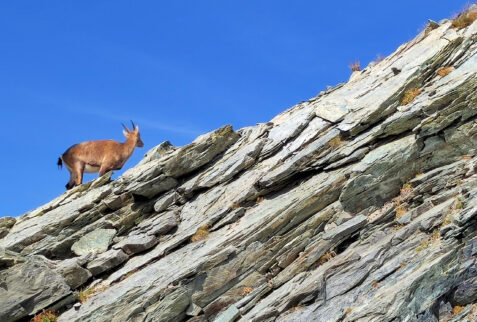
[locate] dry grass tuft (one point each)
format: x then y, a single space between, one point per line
134 271
260 199
234 206
86 294
45 316
356 66
201 233
335 142
464 20
419 174
400 211
457 309
457 205
406 189
447 221
379 58
444 71
401 208
348 311
398 226
246 291
374 285
295 308
403 264
435 236
326 257
410 95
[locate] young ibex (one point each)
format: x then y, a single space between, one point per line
102 156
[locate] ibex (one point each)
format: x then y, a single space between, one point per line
102 156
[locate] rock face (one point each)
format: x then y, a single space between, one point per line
348 207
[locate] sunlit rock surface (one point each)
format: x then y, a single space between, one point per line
348 207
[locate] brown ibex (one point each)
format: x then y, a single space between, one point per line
102 156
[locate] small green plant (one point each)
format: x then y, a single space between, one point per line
45 316
410 95
201 233
39 214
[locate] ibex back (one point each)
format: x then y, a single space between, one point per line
102 156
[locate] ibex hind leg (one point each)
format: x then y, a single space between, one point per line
70 183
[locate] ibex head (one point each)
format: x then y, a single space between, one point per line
133 135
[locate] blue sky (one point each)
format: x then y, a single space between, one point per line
72 71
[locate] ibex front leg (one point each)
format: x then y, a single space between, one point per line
104 168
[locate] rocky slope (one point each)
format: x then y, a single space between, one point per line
352 206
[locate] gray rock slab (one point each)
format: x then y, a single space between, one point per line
136 243
30 287
106 261
96 241
73 273
229 315
200 152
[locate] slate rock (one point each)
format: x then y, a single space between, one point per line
96 241
136 243
106 261
29 287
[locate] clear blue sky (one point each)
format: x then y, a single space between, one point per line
71 71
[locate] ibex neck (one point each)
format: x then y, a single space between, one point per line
129 146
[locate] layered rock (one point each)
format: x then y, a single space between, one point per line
350 206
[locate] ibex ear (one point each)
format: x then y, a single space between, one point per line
125 133
136 129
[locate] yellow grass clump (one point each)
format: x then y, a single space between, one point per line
400 211
201 233
410 95
86 294
326 257
246 291
444 71
464 20
335 142
457 309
